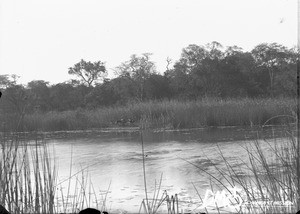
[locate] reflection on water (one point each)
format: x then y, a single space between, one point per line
115 160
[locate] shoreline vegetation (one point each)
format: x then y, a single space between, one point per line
167 114
209 85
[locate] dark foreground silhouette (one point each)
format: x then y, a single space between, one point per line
91 211
85 211
2 209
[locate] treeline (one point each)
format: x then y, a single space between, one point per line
269 70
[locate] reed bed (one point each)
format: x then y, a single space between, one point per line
27 178
169 114
267 183
30 184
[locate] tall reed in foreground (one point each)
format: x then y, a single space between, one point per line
267 183
27 177
29 182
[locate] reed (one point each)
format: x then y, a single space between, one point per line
30 184
27 177
268 182
171 114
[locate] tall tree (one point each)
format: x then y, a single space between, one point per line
88 72
285 83
138 69
192 56
201 65
238 73
271 57
179 81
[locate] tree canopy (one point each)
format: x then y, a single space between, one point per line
209 70
138 69
88 72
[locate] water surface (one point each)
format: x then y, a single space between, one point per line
113 159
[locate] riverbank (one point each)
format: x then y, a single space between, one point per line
168 114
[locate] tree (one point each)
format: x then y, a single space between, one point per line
179 81
102 95
14 105
125 89
285 82
271 57
192 56
63 97
7 80
157 87
214 51
16 99
138 69
169 61
238 73
233 50
88 72
201 67
40 95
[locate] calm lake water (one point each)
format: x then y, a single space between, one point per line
113 159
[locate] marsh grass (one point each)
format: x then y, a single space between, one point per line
79 194
268 181
30 184
170 114
27 177
160 201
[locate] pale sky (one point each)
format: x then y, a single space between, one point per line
41 39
